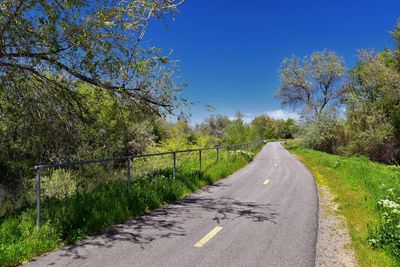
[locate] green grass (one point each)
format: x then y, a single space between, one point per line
69 219
358 184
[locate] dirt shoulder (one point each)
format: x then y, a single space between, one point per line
333 236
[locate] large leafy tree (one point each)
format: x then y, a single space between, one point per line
314 83
55 43
76 81
373 106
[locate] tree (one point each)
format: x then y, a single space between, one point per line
55 44
179 136
237 132
215 126
38 130
114 130
373 107
264 127
314 83
290 128
77 82
396 38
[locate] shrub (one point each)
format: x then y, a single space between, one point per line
58 184
325 133
246 154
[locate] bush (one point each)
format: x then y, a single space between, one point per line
246 154
371 133
325 133
59 184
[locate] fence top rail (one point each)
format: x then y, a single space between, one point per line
81 162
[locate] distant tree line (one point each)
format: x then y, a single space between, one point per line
351 113
218 130
226 131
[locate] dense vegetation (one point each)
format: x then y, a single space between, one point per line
353 113
76 82
368 193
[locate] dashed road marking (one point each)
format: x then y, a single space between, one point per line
266 181
207 238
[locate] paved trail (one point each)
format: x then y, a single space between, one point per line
266 214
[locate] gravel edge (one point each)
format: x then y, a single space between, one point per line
333 236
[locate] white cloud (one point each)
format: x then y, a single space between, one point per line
283 114
247 117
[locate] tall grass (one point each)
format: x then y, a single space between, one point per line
89 208
361 186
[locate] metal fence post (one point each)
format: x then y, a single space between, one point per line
200 160
174 170
37 198
128 171
217 154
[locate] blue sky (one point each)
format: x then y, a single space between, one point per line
230 50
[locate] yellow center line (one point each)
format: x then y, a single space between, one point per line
208 237
266 181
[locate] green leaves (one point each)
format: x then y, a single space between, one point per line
98 43
76 81
373 101
164 60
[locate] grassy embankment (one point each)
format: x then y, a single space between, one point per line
90 209
360 185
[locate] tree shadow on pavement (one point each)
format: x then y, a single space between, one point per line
171 221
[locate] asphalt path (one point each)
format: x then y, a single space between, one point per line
265 214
